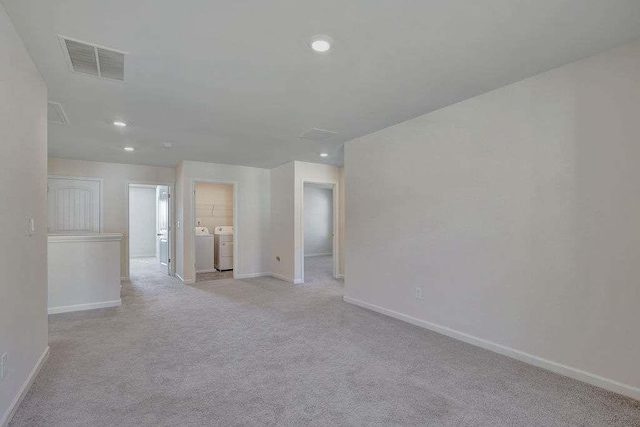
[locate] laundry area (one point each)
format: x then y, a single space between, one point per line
214 238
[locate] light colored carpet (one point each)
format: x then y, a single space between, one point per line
214 275
318 269
265 352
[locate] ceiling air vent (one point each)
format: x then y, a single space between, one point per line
97 61
55 114
318 134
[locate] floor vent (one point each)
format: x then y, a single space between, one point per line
318 134
97 61
55 113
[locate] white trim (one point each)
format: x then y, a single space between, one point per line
123 279
185 282
340 276
550 365
281 277
145 256
102 237
312 255
335 192
13 407
82 307
171 268
252 275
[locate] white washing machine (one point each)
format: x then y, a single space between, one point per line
223 248
204 250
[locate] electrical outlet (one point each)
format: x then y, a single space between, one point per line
3 365
31 226
418 294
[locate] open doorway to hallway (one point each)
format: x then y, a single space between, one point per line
318 233
214 242
149 234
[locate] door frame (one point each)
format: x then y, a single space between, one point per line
194 181
171 234
335 231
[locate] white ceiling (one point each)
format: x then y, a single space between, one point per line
235 82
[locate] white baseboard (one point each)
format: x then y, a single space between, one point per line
580 375
185 282
124 279
298 281
251 275
340 276
11 411
81 307
281 277
310 255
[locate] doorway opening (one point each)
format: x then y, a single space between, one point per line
149 230
319 214
214 230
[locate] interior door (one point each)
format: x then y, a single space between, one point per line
164 229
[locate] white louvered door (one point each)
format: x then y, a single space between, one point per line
73 206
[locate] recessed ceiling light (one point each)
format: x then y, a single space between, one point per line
120 124
323 154
321 45
129 149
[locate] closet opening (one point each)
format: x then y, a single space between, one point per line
214 231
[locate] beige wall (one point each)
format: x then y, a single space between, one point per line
341 223
516 212
282 222
287 194
251 225
214 205
23 186
116 178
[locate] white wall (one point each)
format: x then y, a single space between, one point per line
23 186
517 213
341 223
318 220
143 206
252 215
282 222
83 272
116 178
179 222
214 205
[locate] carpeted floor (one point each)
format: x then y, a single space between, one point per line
214 275
265 352
318 269
146 266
